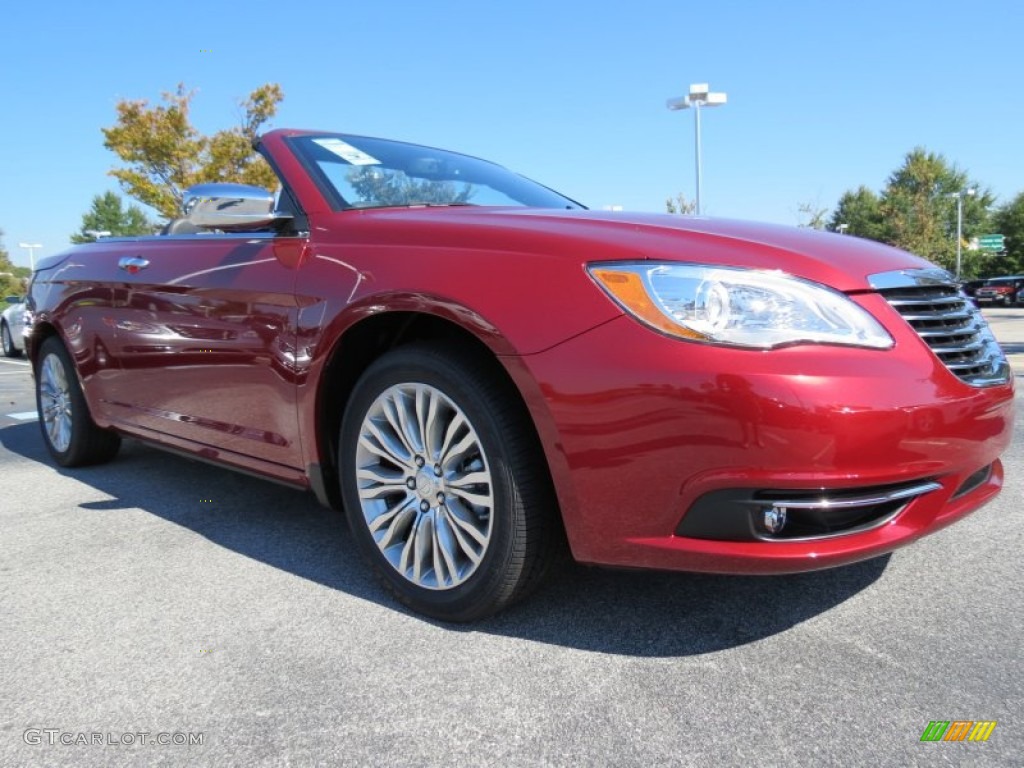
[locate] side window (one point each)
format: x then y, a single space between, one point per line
285 203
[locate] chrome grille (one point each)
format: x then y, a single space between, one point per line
954 328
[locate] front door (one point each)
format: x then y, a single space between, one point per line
204 333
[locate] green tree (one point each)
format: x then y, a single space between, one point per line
858 213
108 215
917 211
165 154
1008 221
12 278
679 204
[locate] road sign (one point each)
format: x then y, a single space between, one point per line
992 242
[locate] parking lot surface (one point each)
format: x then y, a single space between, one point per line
156 598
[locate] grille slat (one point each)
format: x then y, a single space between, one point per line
953 300
958 349
967 332
945 317
956 367
953 329
962 349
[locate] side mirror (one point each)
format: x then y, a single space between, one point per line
232 207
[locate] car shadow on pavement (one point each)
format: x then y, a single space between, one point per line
637 613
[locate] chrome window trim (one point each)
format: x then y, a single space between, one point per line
202 236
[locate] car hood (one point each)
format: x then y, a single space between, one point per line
841 261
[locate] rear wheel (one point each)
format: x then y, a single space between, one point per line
70 434
8 341
443 483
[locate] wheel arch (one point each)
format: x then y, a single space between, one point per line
372 336
41 331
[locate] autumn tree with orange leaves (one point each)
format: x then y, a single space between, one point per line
164 154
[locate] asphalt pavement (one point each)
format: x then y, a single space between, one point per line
159 599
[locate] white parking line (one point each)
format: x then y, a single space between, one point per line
19 363
23 416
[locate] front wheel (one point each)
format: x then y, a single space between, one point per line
443 483
70 434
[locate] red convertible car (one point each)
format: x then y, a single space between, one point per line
479 370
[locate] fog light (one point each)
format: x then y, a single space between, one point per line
774 519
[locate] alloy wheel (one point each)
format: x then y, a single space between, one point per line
55 402
425 486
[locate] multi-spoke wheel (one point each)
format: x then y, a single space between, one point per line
70 434
424 485
442 483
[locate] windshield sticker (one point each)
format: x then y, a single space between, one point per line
347 152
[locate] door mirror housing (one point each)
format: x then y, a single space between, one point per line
232 208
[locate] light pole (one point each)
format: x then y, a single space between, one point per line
841 228
31 252
960 222
698 97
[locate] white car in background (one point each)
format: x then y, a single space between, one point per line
12 326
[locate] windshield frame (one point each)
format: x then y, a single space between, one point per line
312 154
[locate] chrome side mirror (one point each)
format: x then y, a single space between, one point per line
231 207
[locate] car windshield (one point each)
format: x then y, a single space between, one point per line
360 172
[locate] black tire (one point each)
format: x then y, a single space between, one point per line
70 434
8 341
520 515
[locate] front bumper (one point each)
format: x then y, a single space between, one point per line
638 428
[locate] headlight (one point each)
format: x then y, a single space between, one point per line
743 307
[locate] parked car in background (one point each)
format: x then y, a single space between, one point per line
1000 291
970 289
12 326
477 369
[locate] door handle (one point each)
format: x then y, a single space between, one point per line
132 264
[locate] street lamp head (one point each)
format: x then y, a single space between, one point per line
699 92
697 98
29 245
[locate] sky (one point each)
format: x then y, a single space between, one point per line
823 96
